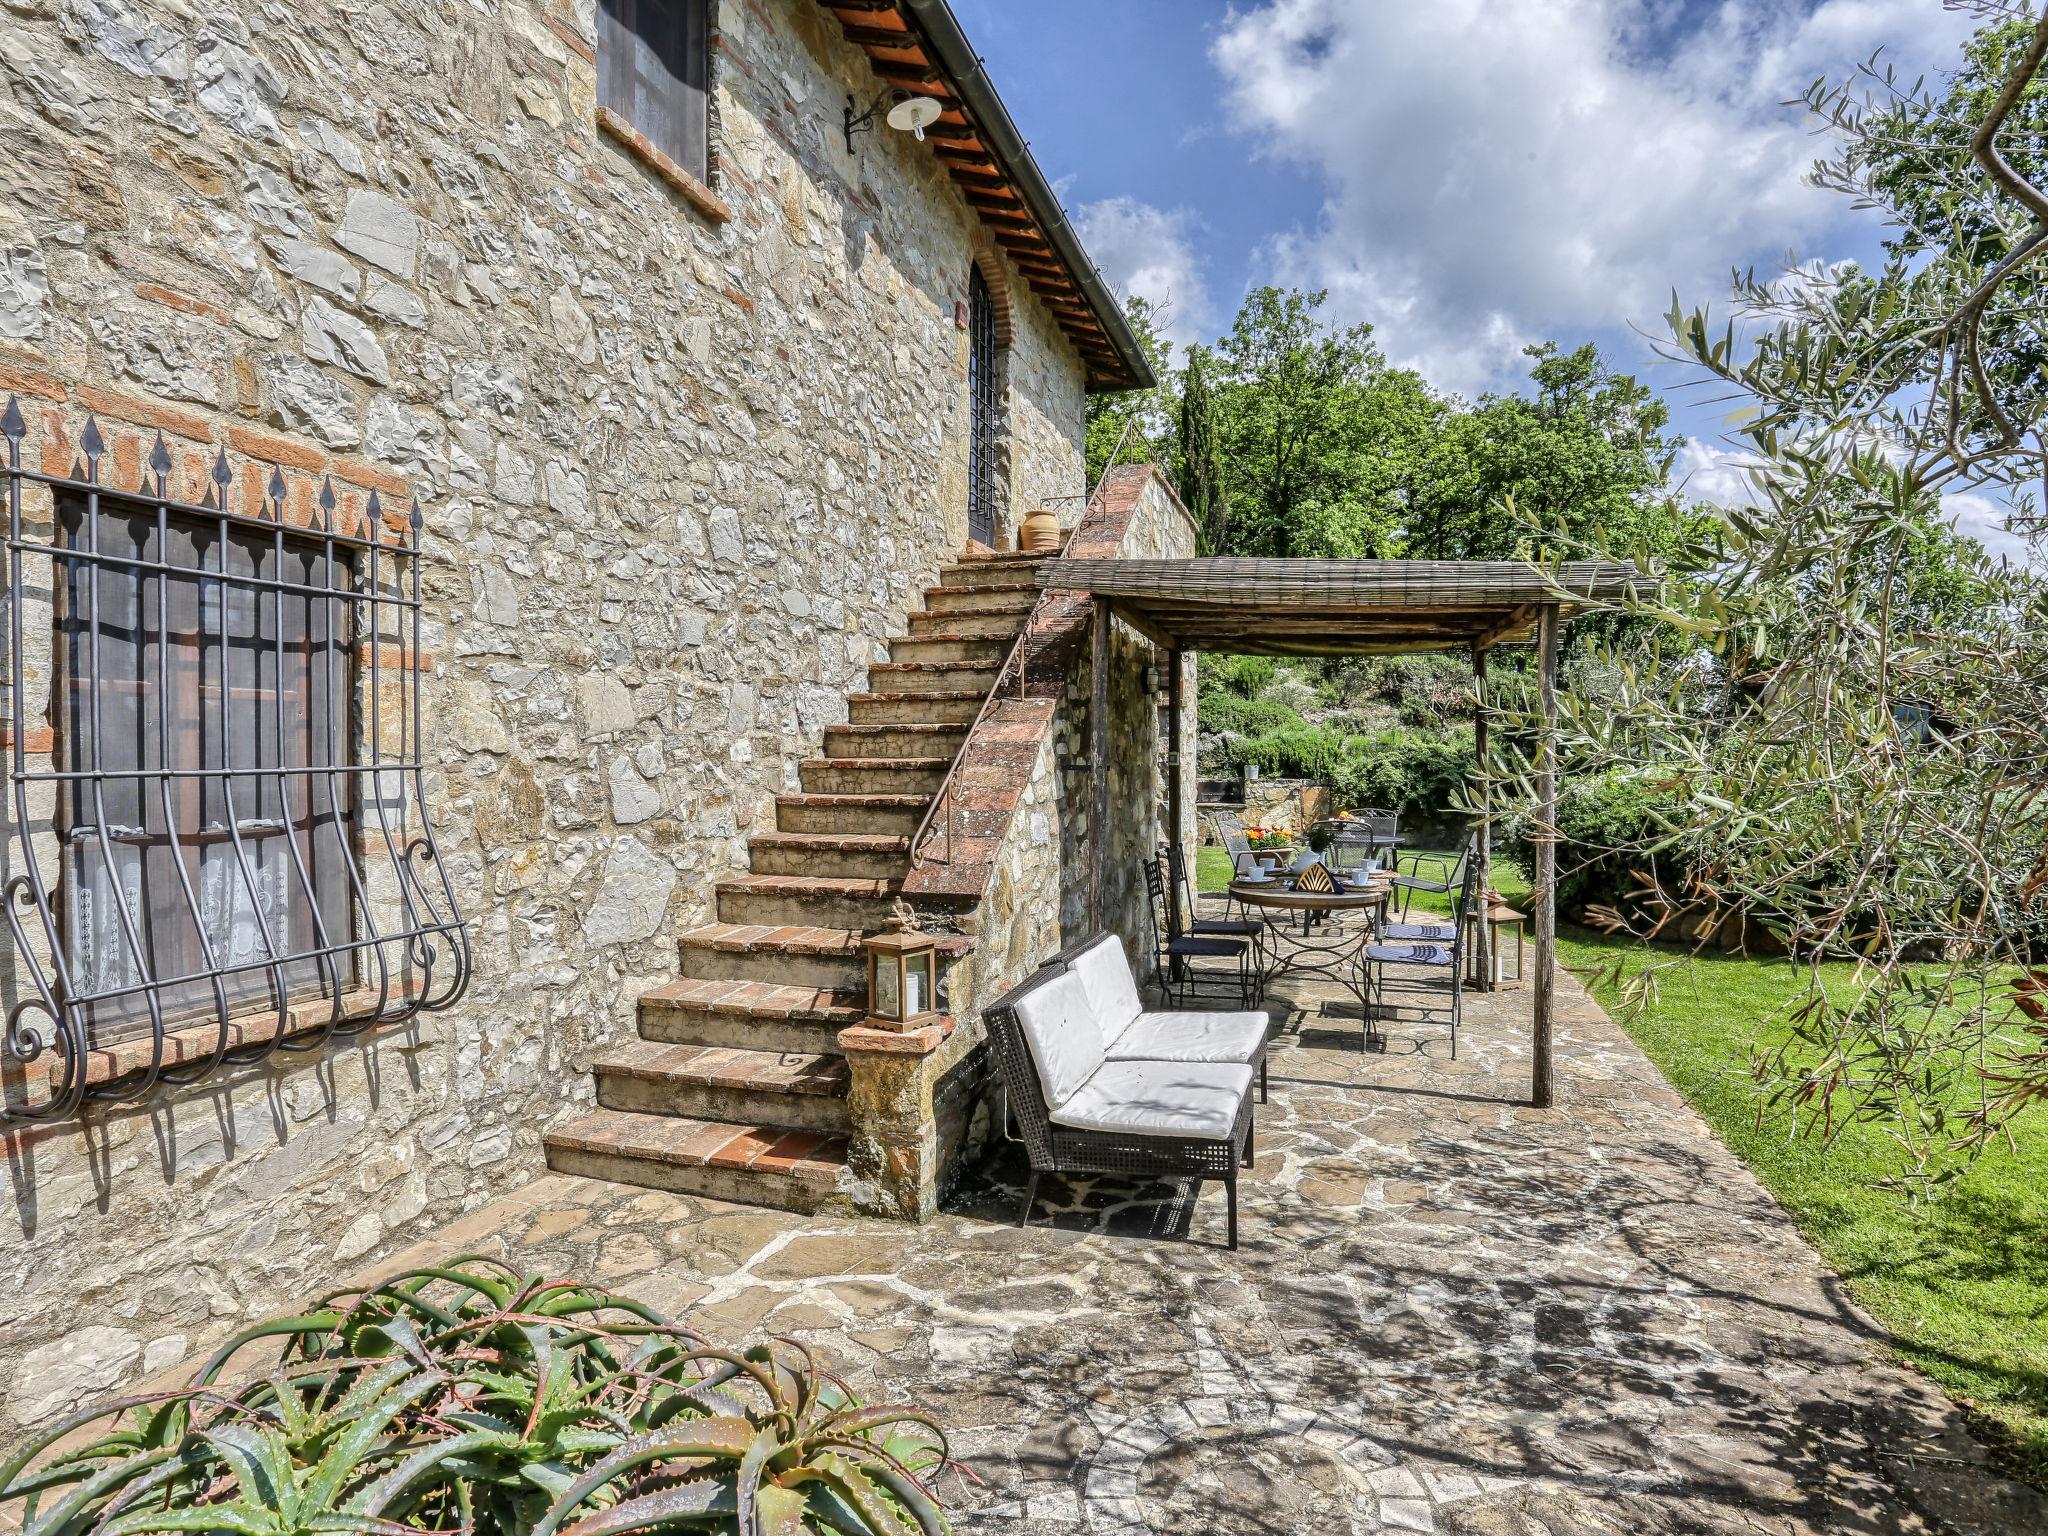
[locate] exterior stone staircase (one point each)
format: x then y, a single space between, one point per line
736 1089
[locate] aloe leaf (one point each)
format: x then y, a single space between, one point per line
233 1519
781 1512
107 1483
364 1435
306 1324
856 1488
723 1439
381 1495
913 1496
708 1503
747 1484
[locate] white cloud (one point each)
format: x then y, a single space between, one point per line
1502 173
1149 252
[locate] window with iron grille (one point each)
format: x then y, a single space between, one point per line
984 392
654 70
224 852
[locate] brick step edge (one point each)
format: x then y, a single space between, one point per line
761 999
816 1075
815 1157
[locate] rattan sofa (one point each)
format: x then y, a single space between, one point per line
1097 1084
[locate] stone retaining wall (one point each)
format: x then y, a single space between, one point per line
682 476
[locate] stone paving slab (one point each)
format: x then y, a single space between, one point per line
1450 1313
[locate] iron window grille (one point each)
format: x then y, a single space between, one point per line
227 854
984 411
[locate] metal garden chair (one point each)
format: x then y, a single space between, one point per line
1175 952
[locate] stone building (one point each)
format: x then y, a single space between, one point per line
513 510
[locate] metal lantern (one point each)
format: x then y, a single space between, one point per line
903 980
1506 932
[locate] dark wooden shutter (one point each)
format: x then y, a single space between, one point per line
654 69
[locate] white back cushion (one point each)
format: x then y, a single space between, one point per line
1106 979
1060 1029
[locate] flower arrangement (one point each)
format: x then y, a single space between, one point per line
1261 839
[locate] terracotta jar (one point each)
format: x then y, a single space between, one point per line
1040 531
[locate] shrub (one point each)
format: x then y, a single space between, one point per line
1227 712
472 1399
1417 773
1605 824
1245 676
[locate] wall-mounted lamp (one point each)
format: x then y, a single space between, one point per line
911 115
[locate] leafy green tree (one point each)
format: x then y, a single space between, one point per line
1201 457
1316 431
1843 709
1150 414
1584 459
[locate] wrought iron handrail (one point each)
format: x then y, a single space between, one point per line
1012 661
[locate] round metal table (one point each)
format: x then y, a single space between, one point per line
1325 945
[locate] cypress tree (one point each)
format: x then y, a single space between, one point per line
1201 457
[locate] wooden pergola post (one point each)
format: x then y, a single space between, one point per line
1482 862
1098 766
1545 913
1176 791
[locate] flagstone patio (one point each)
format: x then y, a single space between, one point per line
1449 1314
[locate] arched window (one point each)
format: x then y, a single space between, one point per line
984 387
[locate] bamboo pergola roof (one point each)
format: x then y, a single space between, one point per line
1340 607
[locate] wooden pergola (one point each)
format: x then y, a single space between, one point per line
1301 608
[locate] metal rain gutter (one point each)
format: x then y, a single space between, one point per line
963 66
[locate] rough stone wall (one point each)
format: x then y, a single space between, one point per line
681 479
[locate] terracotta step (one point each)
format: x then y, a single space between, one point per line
992 573
873 776
932 676
894 741
1002 622
1000 559
807 900
805 1092
793 955
896 815
829 853
752 1015
1003 596
793 1170
935 707
984 650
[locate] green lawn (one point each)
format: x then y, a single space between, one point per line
1962 1283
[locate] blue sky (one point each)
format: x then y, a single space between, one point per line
1466 175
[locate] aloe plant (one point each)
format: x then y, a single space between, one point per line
471 1398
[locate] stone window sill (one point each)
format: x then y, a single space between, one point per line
641 148
27 1086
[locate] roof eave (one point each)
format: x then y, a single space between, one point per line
964 69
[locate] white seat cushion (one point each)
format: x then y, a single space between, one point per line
1059 1027
1106 978
1191 1100
1232 1037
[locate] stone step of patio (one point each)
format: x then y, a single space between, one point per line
784 954
1001 622
855 855
803 1091
792 1170
983 650
868 742
1001 559
1004 596
873 775
751 1015
874 815
933 676
933 706
1018 573
807 901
